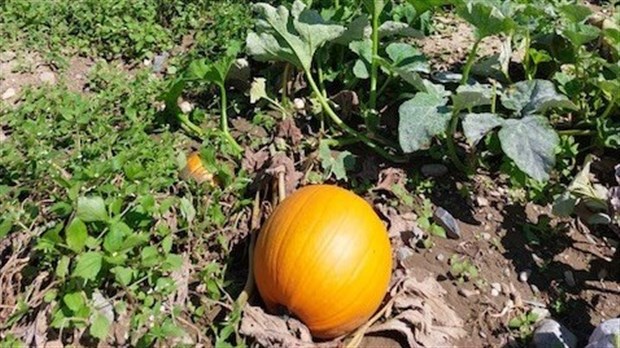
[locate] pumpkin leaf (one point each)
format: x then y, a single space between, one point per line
214 72
407 62
530 142
421 118
476 126
488 17
363 48
469 96
292 36
534 97
336 165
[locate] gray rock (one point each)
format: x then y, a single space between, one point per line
448 222
48 77
570 278
434 169
159 61
550 333
9 93
605 334
440 257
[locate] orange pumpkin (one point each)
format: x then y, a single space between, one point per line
195 169
324 255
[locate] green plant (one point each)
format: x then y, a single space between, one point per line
462 269
523 324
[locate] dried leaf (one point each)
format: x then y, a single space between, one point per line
291 175
423 317
389 177
245 127
274 331
254 161
288 129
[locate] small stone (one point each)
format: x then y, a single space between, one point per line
570 278
467 293
299 104
507 272
448 222
494 292
482 202
550 333
486 236
146 62
605 334
9 93
434 170
535 289
440 257
482 334
495 194
496 286
47 77
525 275
403 253
538 260
159 61
186 107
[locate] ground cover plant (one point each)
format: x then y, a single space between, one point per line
130 204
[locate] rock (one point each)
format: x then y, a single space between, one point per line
440 257
486 236
467 293
434 170
47 77
550 333
159 61
9 93
525 275
403 253
605 334
186 107
494 292
448 222
482 202
570 278
535 289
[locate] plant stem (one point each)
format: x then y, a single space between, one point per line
526 56
332 115
386 83
224 120
285 74
470 61
609 107
452 145
189 126
374 64
577 132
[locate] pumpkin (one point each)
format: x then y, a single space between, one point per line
194 168
325 256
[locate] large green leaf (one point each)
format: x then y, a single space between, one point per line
476 126
292 36
76 234
407 62
421 118
91 209
88 265
469 96
489 17
530 142
534 97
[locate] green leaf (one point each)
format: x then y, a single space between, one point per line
356 31
363 49
476 126
187 209
423 6
100 326
488 17
408 61
564 205
392 28
530 142
335 165
62 269
88 265
469 96
6 226
113 240
91 209
292 36
76 234
74 300
258 90
534 96
123 275
149 256
580 34
574 12
421 118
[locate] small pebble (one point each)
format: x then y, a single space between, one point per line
525 275
570 278
482 334
47 77
434 170
507 272
9 93
482 202
538 260
403 253
535 289
186 107
467 293
486 236
494 292
440 257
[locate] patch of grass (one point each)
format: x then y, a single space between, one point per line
129 29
